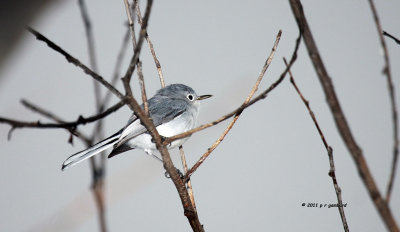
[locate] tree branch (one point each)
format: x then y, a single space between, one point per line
188 183
386 71
76 62
65 125
251 94
153 53
189 211
91 48
391 36
138 62
117 67
47 114
97 168
340 119
139 43
329 150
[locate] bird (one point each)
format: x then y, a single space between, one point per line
173 110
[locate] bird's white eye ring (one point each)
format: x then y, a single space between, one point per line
190 97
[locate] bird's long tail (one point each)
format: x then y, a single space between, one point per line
91 151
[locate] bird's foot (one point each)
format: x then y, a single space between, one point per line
178 171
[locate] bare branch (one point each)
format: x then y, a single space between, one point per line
139 43
391 36
76 62
255 88
188 183
65 125
329 150
231 114
41 111
340 119
243 106
97 168
392 95
117 67
91 49
142 87
55 118
130 22
89 34
153 53
190 213
139 63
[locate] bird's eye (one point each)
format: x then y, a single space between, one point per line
190 97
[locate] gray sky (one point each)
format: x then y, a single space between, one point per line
271 162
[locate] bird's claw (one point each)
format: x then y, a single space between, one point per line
162 139
178 171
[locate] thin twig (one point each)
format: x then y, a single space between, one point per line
117 66
188 183
243 106
391 36
392 95
76 62
142 87
89 34
98 191
65 125
91 49
139 63
340 119
55 118
227 116
153 53
329 150
252 92
189 211
130 22
41 111
139 43
98 169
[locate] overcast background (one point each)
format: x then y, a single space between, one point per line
271 162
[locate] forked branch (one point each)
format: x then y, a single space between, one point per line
235 118
329 150
76 62
392 95
340 119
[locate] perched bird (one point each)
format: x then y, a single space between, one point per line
173 110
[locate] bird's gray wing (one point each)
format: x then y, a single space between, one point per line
161 110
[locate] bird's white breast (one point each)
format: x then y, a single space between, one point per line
176 126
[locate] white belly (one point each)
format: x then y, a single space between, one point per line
171 128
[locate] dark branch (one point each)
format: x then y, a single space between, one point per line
138 62
76 62
139 43
329 150
65 125
153 53
391 36
392 96
189 211
239 109
57 119
97 168
340 119
117 66
235 118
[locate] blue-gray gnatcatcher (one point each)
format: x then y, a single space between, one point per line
173 109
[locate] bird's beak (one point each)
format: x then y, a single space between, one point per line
202 97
